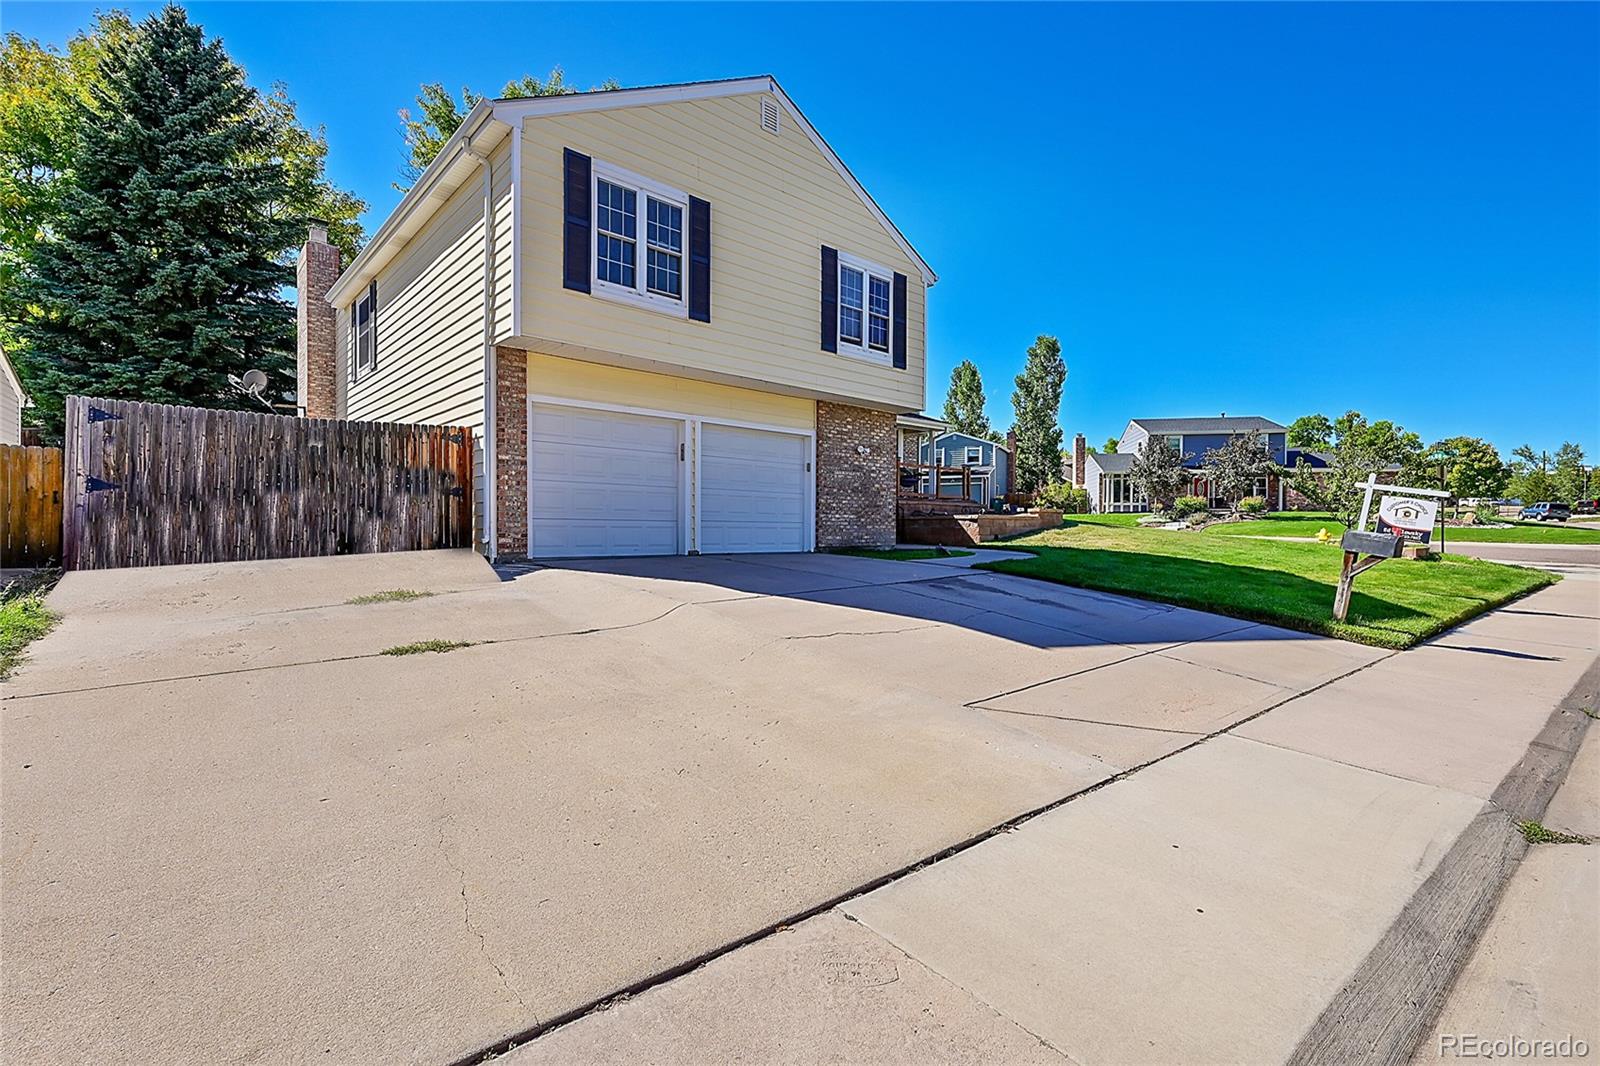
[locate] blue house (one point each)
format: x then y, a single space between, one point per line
1105 474
966 466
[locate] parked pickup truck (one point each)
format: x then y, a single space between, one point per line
1547 512
1586 507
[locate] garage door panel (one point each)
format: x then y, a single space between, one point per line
602 483
753 490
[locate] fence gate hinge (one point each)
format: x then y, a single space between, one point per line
94 484
458 437
454 492
97 415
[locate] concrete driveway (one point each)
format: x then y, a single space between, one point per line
235 831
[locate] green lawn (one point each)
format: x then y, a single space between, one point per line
23 619
1307 523
903 554
1395 604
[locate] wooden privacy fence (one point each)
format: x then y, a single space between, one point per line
150 485
30 505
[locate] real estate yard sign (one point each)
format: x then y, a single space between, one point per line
1412 518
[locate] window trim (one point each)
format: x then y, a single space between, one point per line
974 455
864 350
357 369
645 189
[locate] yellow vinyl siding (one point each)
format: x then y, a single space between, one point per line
430 341
774 202
585 382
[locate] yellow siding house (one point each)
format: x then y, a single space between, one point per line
673 318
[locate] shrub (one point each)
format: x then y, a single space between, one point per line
1064 497
1199 518
1252 505
1487 512
1184 506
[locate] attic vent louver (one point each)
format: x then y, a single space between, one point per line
769 115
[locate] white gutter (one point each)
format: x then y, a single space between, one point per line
490 497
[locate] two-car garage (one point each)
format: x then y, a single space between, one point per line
605 481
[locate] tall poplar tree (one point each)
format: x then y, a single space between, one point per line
963 404
164 273
1037 400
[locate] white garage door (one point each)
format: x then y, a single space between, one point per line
752 490
602 483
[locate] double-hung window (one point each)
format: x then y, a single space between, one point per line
638 240
866 300
364 332
1175 442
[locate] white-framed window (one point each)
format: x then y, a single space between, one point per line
1175 442
1118 494
866 308
638 253
1258 487
364 332
974 456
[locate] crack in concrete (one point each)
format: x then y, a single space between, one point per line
446 818
836 633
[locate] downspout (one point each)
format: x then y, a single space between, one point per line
491 495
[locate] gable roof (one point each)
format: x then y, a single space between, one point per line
1220 424
1112 462
456 162
974 439
513 110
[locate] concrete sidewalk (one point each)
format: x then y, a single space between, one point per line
1209 907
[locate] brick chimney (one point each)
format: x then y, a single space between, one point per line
1080 460
316 343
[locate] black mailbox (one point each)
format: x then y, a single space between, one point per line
1383 545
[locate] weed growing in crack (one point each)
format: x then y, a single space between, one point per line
421 646
388 596
1534 833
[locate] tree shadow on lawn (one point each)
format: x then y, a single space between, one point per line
1258 594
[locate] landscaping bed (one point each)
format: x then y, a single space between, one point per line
24 618
1395 605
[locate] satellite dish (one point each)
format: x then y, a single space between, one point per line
252 384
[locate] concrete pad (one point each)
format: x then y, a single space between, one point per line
1118 747
1575 808
1535 975
221 590
408 859
1201 911
825 991
150 640
1095 615
1278 656
1148 692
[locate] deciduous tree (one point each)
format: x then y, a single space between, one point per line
1037 400
963 404
438 114
1158 473
1110 446
1568 474
1234 467
1313 432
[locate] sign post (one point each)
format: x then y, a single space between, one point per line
1402 517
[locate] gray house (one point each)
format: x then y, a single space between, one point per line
1105 474
966 465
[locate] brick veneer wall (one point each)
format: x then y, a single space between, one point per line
855 491
511 453
316 338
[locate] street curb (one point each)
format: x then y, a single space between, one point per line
1390 1004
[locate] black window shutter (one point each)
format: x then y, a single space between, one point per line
830 299
699 260
372 321
575 234
900 321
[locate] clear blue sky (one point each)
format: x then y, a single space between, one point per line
1254 208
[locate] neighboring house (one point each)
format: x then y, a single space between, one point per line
674 320
1105 475
966 465
12 401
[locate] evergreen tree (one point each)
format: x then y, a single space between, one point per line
164 273
963 404
1037 400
